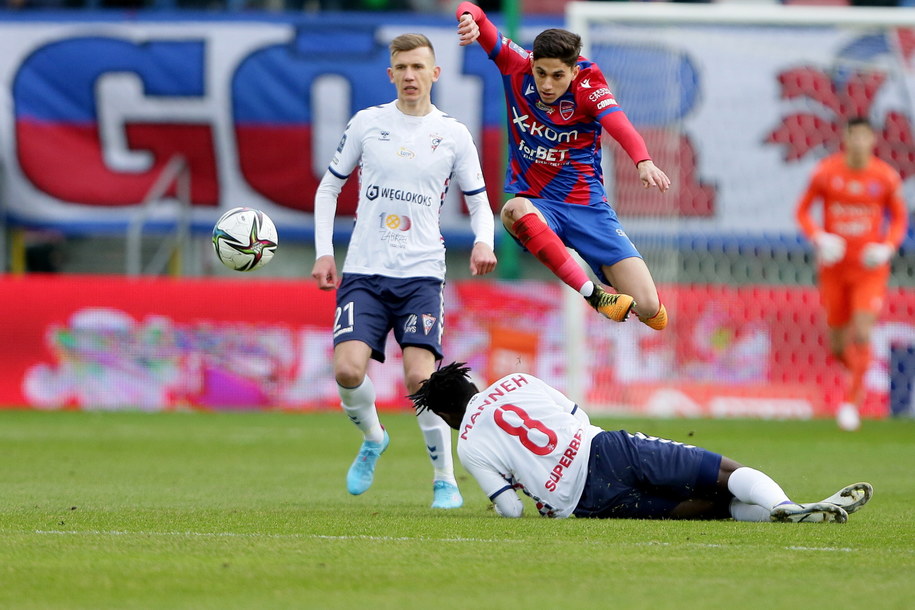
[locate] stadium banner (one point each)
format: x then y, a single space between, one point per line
110 342
96 104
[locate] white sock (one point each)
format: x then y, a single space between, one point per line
751 486
741 511
359 405
587 289
437 435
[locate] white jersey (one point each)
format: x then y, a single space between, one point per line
405 166
520 433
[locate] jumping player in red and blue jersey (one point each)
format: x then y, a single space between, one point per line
558 104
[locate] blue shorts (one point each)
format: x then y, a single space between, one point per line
633 476
370 306
593 231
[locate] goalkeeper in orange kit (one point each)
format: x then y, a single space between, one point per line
864 221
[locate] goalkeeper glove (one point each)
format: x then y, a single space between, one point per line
830 248
876 254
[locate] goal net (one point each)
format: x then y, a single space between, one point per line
737 105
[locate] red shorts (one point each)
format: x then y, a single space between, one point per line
843 294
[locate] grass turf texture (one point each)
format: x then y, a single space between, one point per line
249 510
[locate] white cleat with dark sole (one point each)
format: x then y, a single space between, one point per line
818 512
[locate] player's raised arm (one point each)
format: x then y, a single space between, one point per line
474 25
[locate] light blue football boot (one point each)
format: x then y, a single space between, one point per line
362 472
446 495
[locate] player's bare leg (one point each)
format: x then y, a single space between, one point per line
419 364
524 221
357 397
631 276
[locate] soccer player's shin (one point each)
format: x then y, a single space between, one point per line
359 405
542 242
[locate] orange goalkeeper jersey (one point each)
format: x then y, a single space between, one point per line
861 206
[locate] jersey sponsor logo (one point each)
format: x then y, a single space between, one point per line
428 323
543 154
373 191
547 109
599 94
341 144
607 102
526 125
396 222
405 153
565 460
566 109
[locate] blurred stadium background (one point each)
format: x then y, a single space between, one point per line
123 136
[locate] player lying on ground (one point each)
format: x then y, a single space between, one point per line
522 434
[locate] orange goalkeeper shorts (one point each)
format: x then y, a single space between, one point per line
843 294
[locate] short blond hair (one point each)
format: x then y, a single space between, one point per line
408 42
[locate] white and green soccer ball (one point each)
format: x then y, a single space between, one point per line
245 239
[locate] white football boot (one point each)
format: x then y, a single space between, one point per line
818 512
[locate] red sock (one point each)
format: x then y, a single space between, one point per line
542 242
858 357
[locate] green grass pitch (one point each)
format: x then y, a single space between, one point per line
249 510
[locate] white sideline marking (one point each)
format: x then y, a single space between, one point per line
826 549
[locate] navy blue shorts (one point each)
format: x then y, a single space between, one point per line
633 476
594 231
370 306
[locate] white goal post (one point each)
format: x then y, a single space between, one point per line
737 103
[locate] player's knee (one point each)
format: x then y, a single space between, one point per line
647 306
514 209
348 375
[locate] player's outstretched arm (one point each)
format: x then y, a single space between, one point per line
325 272
482 259
651 175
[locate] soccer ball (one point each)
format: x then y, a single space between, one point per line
244 239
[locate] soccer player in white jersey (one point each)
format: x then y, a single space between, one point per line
522 434
407 152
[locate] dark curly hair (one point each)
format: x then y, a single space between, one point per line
447 391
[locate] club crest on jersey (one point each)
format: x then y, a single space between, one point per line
428 323
405 153
436 140
566 109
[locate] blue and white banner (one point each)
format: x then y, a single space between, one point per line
93 107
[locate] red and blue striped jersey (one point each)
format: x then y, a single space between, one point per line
555 149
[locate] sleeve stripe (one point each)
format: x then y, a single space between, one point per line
340 176
609 110
476 192
506 488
